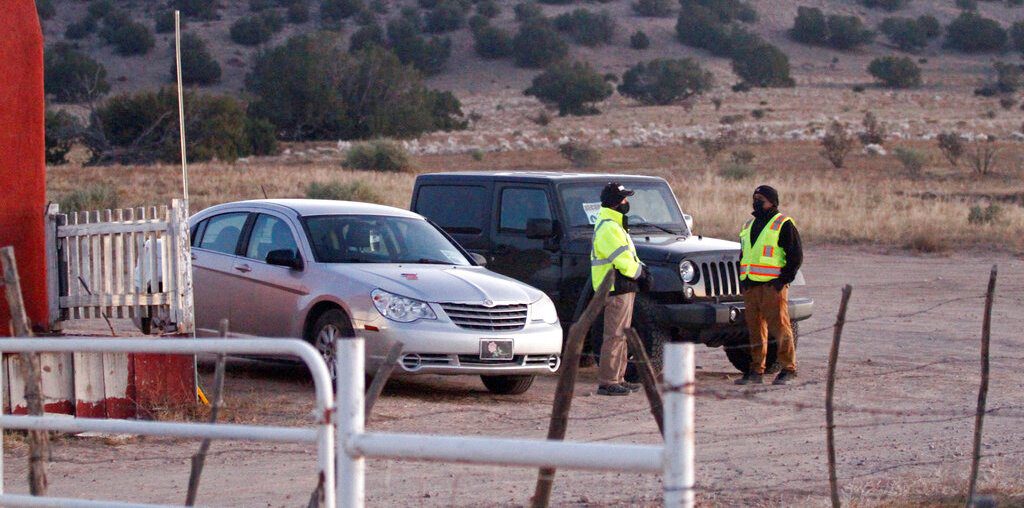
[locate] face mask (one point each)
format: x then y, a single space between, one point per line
758 205
623 208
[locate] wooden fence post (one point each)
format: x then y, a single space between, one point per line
830 386
979 416
380 378
566 384
30 371
199 459
647 377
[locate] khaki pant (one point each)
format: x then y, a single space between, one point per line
767 311
618 315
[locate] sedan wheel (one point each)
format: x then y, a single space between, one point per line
330 327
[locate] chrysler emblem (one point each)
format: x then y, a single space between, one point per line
488 303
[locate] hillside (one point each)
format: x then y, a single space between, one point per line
468 74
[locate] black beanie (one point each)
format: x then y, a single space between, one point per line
768 192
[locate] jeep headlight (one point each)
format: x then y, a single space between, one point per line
543 310
399 308
688 271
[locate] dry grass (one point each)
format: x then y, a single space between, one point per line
870 201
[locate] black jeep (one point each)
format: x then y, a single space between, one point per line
537 227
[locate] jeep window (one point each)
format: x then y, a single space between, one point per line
653 203
379 239
458 209
519 205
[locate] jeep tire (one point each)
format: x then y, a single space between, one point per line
507 385
738 352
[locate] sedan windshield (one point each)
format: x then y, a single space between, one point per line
379 239
652 204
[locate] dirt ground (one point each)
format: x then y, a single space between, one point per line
906 393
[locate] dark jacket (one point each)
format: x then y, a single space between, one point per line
789 241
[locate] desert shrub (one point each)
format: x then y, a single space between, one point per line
62 131
764 66
810 26
982 156
333 11
488 9
366 36
355 190
836 144
527 11
556 2
701 28
309 89
197 9
298 13
378 155
716 145
537 44
1007 102
586 27
164 21
197 64
447 16
952 147
428 55
257 29
889 5
128 37
990 214
665 81
492 42
874 131
143 127
1017 36
653 8
73 76
639 40
580 154
895 72
80 29
575 88
972 33
847 32
262 135
742 156
261 5
736 171
913 161
726 11
966 5
97 196
929 25
45 9
476 22
1009 77
427 4
908 34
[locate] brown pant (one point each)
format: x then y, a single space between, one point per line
618 315
767 311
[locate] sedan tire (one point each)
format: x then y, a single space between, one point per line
507 385
329 327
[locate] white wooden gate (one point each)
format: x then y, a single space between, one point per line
126 263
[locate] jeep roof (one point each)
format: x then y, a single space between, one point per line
531 176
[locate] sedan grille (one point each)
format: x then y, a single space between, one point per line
478 317
721 278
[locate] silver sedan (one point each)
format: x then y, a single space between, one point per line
320 270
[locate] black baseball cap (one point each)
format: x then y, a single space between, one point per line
613 194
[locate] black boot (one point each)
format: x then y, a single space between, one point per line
633 387
750 378
785 377
613 390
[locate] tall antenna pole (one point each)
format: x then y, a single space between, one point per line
181 108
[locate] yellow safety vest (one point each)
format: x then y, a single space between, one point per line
613 248
763 261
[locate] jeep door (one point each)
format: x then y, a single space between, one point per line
535 261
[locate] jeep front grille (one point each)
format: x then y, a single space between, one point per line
478 317
721 278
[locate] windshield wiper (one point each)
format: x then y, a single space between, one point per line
669 231
428 261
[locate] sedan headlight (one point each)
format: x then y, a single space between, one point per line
688 271
399 308
543 310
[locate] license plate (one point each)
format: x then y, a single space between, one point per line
495 349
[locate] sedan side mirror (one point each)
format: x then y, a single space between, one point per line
285 257
540 229
478 258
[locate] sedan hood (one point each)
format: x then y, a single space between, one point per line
441 283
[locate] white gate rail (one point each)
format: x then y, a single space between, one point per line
674 459
322 434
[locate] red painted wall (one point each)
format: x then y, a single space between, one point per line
22 158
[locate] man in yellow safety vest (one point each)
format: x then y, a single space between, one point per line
614 251
772 255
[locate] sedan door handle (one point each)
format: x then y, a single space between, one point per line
243 268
